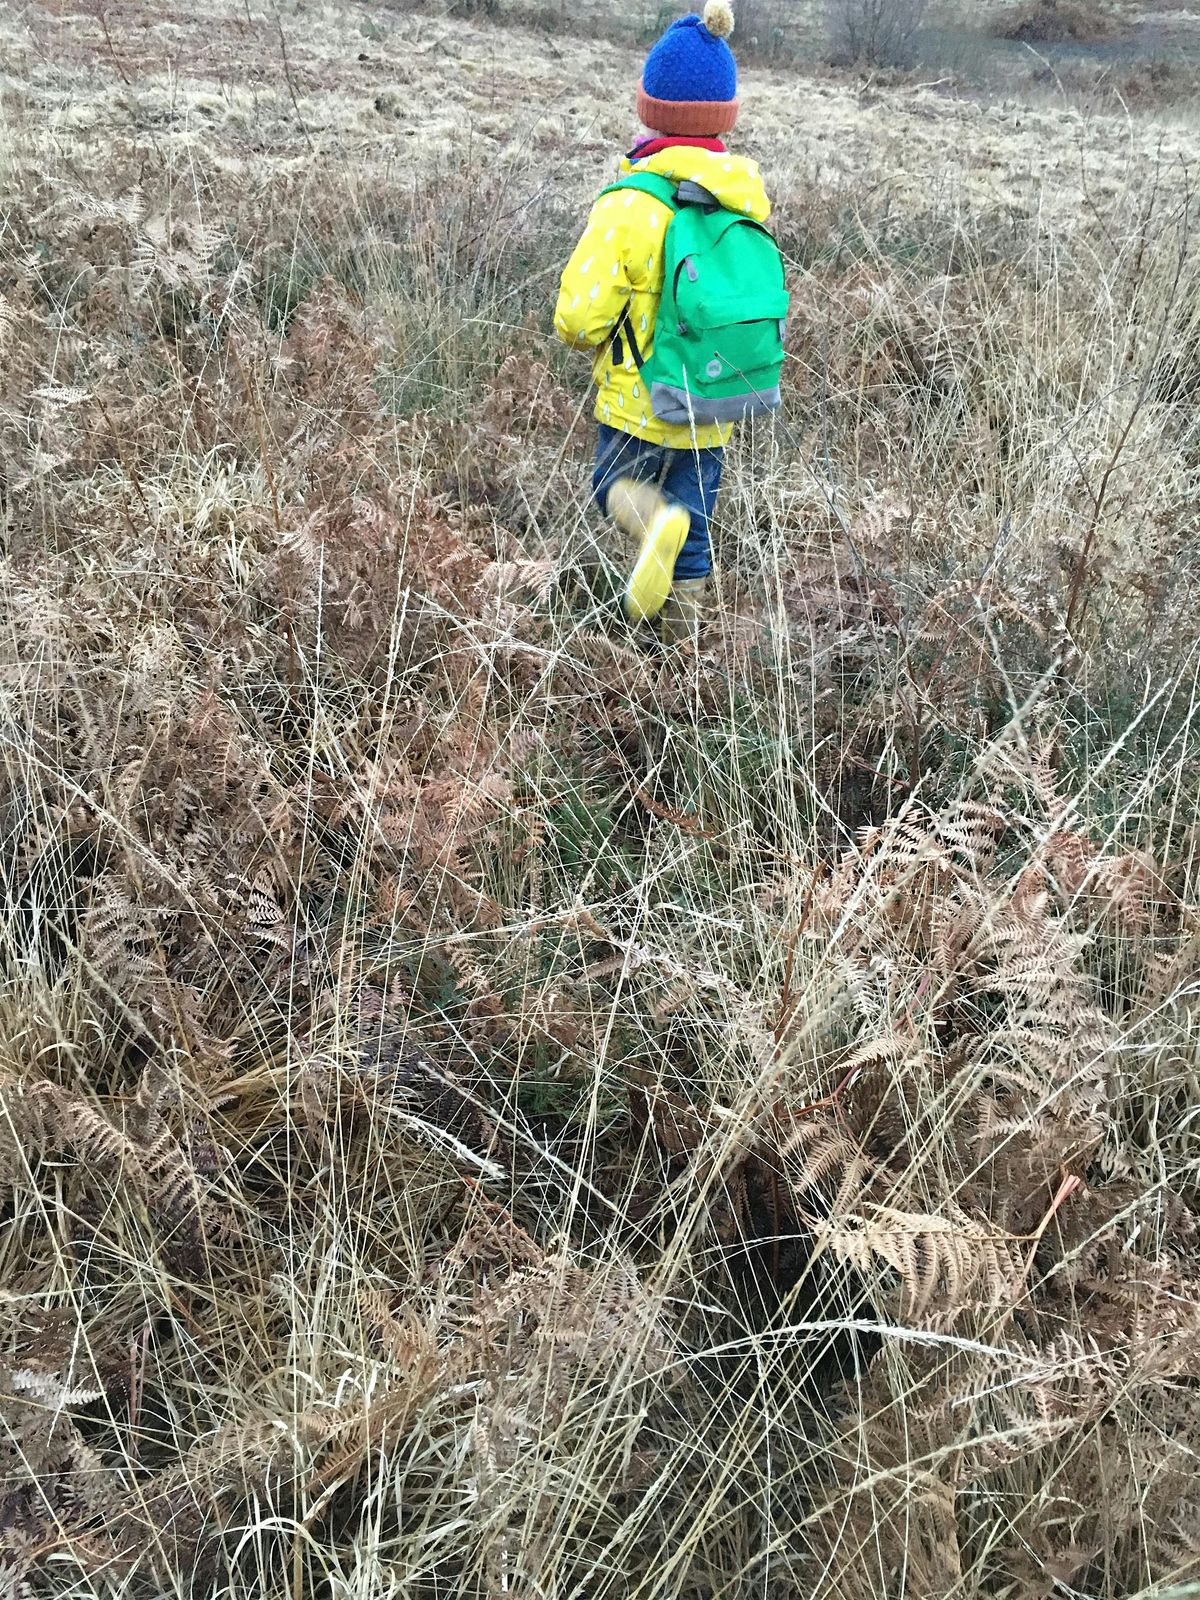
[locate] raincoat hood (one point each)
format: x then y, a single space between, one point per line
734 180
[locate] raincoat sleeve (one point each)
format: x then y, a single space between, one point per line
595 285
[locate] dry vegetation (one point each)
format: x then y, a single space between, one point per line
486 1111
1056 22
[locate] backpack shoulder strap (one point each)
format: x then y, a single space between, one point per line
658 188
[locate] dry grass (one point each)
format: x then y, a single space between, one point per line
487 1111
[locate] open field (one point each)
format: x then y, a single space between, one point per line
489 1111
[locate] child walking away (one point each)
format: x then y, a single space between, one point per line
678 288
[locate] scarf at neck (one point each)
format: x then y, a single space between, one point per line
651 146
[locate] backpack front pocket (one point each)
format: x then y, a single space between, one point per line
726 366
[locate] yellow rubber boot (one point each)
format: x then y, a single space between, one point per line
662 526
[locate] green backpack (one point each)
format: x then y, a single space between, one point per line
718 341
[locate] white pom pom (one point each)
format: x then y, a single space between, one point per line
718 18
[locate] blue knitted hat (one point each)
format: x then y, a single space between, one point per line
689 83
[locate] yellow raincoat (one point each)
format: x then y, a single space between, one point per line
619 263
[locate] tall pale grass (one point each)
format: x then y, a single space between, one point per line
489 1111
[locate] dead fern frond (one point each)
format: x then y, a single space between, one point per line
944 1265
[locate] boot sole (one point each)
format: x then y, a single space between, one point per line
650 581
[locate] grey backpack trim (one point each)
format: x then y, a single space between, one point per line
691 193
670 404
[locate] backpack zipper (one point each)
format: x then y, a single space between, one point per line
693 275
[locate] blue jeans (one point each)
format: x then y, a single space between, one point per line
689 477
